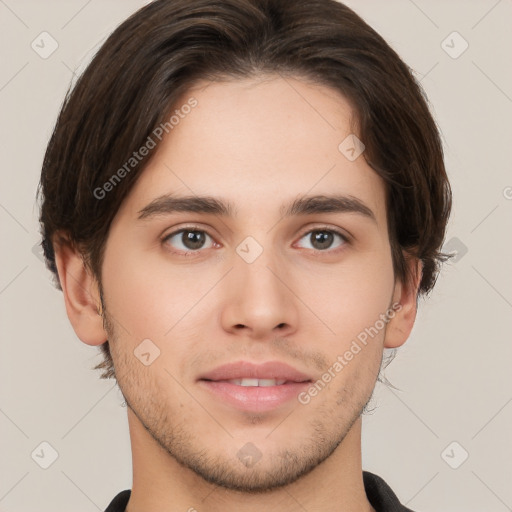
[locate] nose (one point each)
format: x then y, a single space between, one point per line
259 303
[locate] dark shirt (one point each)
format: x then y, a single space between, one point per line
379 494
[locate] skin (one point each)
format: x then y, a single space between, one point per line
258 144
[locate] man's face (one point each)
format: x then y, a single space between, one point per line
260 284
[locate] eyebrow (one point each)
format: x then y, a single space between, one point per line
306 205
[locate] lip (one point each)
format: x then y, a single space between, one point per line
268 370
255 398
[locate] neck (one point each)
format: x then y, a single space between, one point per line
161 483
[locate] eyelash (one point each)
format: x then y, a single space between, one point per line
322 229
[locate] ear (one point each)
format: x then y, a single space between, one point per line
405 298
81 292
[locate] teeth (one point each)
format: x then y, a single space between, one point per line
270 382
249 382
257 382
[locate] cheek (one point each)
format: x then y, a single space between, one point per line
351 298
148 295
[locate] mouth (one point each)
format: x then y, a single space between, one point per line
248 382
254 387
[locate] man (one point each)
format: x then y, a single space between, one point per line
241 203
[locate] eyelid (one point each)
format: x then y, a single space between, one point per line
322 227
187 227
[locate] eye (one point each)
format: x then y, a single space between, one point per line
323 239
187 240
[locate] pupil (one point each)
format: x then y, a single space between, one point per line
322 239
193 239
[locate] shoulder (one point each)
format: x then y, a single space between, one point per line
380 495
118 504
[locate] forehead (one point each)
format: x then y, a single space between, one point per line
258 142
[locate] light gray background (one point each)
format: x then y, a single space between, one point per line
454 372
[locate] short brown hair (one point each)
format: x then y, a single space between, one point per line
168 46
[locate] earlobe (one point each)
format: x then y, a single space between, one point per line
81 293
405 298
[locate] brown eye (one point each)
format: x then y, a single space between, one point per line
323 239
188 240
